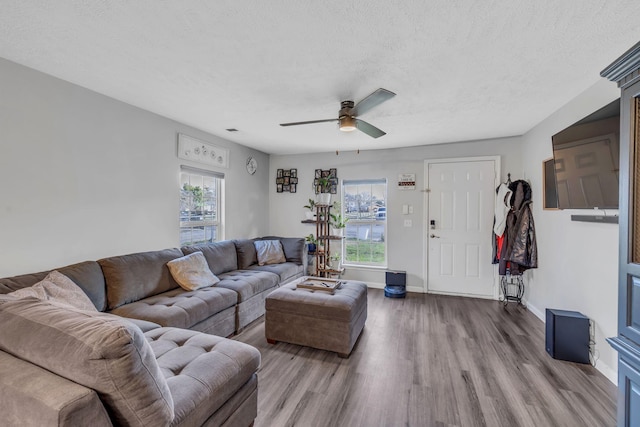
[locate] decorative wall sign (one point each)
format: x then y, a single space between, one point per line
287 181
331 175
190 148
407 181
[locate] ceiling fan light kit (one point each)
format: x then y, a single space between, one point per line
347 123
347 116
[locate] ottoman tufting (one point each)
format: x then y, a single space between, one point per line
317 319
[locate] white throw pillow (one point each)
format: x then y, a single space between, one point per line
192 272
269 252
57 288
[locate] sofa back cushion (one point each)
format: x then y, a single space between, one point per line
221 256
246 251
293 247
97 350
57 287
87 275
132 277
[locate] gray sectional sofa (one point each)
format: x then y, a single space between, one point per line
160 347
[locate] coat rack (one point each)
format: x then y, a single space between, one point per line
512 286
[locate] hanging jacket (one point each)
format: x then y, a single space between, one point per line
520 249
502 208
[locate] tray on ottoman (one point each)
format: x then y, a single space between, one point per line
315 319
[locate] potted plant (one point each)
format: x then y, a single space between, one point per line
311 243
324 196
337 222
311 206
335 261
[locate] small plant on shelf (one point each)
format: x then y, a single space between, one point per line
323 191
335 261
337 221
311 243
311 206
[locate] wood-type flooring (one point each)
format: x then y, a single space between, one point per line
431 360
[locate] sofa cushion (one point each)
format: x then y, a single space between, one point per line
203 371
248 283
87 275
136 276
27 398
246 251
57 287
293 248
287 270
269 252
192 272
221 256
96 350
180 308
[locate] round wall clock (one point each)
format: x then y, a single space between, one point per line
252 165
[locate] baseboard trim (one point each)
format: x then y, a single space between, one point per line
489 297
603 368
415 289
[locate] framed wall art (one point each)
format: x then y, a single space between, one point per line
287 180
329 174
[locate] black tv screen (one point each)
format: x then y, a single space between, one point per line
586 156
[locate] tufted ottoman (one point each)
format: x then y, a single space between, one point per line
317 319
212 380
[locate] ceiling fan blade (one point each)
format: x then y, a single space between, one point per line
369 129
376 98
308 123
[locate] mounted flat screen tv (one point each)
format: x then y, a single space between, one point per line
586 156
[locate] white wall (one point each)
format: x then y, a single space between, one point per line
578 261
405 245
83 176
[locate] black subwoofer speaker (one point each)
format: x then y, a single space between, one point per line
567 335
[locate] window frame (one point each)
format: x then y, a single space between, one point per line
372 221
218 218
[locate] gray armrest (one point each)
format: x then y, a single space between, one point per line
34 396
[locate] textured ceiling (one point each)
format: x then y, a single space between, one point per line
461 69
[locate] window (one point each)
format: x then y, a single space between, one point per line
200 206
365 205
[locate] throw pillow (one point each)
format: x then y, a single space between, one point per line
246 253
192 272
293 247
269 252
58 288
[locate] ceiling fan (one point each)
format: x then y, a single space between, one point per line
347 116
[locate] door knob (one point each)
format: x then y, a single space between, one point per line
433 236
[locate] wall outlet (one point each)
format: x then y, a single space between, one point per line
408 223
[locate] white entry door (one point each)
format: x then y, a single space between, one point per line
461 200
